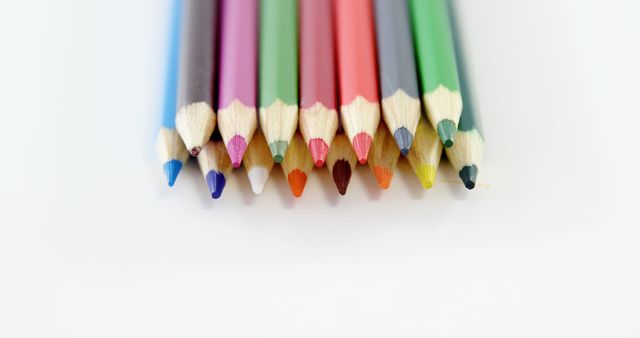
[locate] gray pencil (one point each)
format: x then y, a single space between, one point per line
398 77
195 119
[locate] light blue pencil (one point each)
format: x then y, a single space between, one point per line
170 147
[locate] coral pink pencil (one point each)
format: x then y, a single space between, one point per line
318 114
237 117
359 101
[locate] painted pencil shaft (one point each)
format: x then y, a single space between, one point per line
195 119
258 162
169 145
437 67
278 73
467 153
425 154
237 84
215 166
384 156
318 114
398 76
358 79
341 162
297 165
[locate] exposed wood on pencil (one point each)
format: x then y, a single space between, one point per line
425 154
384 157
341 162
258 162
215 166
297 165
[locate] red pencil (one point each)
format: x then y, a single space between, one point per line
318 114
357 68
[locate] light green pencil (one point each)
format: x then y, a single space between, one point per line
278 73
437 67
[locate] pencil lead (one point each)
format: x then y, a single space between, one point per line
171 170
404 139
383 176
215 182
236 148
361 145
427 175
469 174
278 149
341 175
297 180
319 150
447 132
258 177
195 151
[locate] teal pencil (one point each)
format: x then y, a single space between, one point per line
170 147
467 152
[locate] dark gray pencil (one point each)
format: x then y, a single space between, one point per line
195 119
398 77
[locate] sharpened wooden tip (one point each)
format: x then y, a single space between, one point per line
384 156
297 164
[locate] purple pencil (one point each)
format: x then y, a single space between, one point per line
237 118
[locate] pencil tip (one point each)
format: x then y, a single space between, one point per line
469 174
341 175
383 176
171 170
258 177
215 182
236 148
447 132
278 150
427 175
404 139
297 180
319 150
361 144
195 151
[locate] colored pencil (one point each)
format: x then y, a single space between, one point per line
169 145
258 162
215 165
318 114
195 120
237 85
425 154
437 67
297 165
384 156
358 79
341 162
467 153
398 76
278 73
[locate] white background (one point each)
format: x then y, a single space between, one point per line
93 243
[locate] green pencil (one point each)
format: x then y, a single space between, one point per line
437 67
466 154
279 73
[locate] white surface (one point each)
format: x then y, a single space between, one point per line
92 243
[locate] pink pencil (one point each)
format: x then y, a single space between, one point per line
318 113
237 118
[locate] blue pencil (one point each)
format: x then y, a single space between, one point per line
170 147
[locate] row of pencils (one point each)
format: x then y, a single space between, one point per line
305 83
